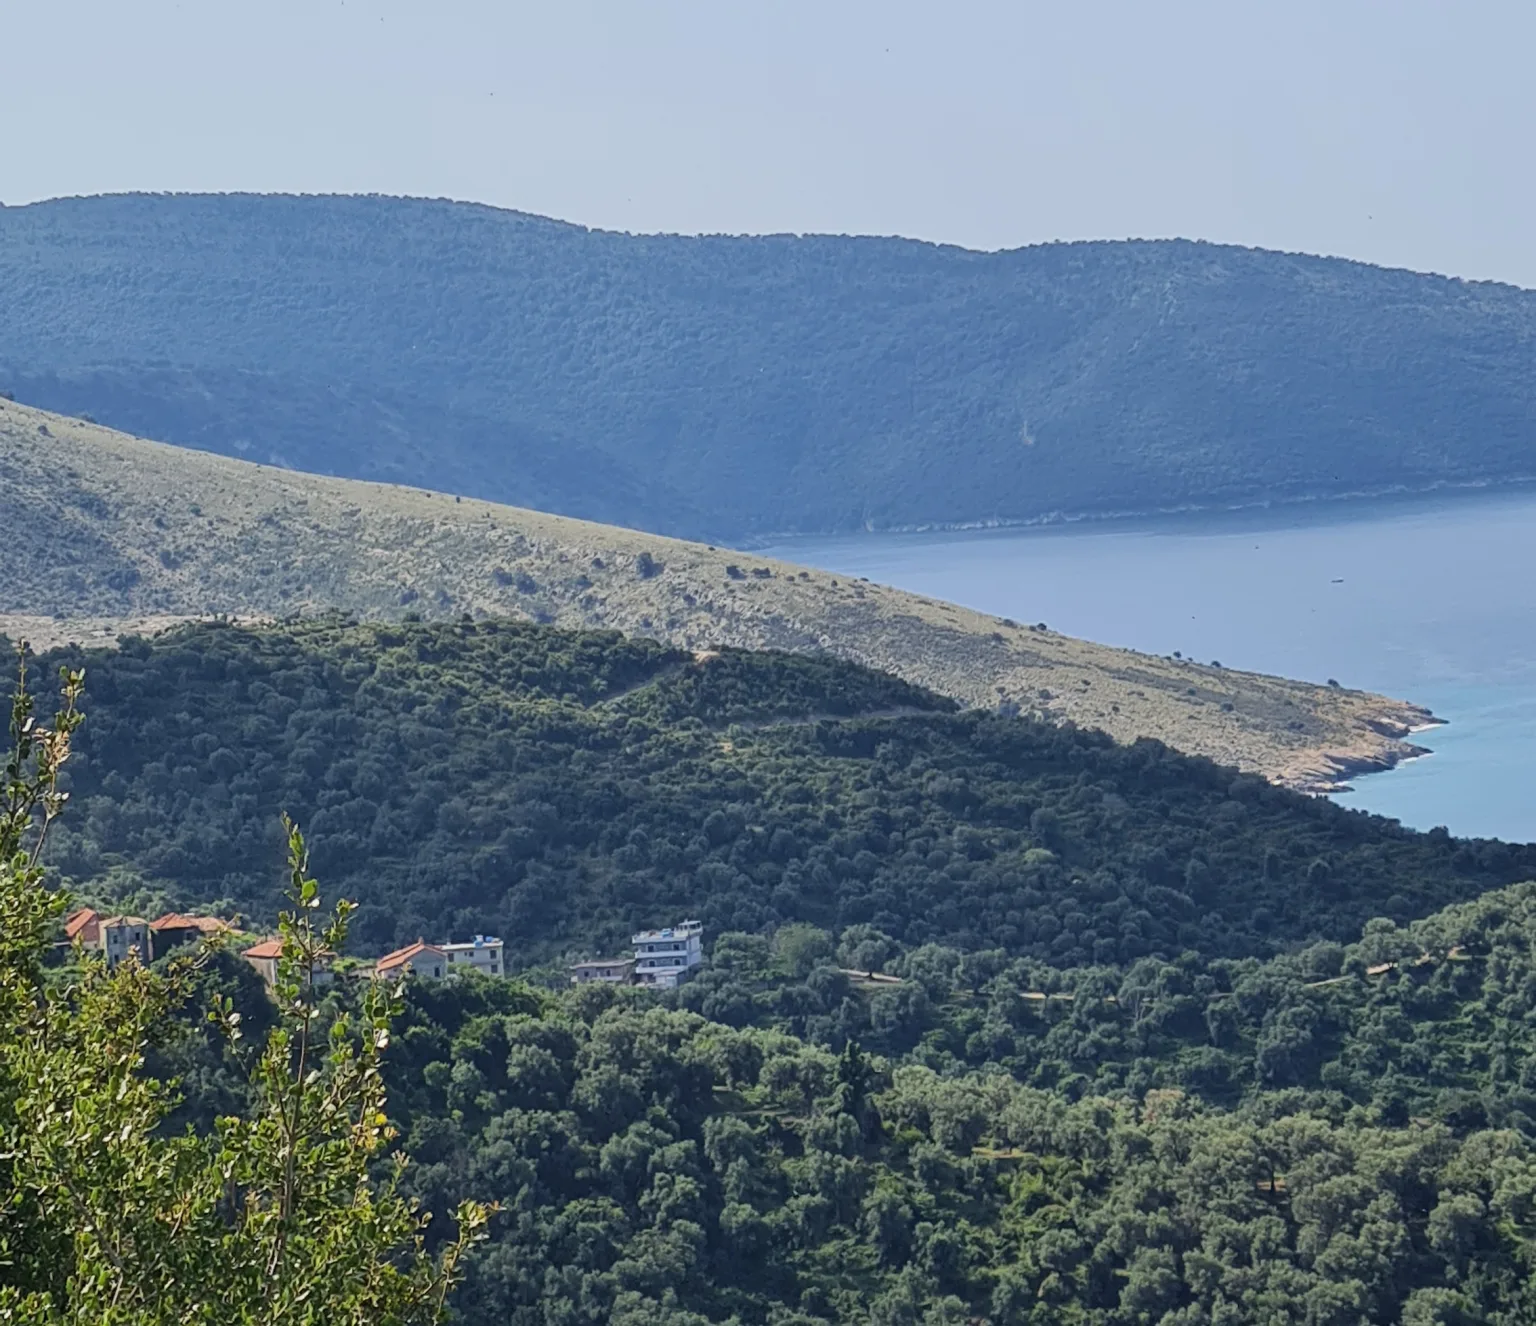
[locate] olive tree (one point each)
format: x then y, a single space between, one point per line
291 1214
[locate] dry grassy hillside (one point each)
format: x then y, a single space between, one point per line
102 529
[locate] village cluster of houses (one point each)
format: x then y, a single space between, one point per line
429 962
661 958
434 962
115 937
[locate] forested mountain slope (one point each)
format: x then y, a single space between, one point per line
562 788
657 1166
729 387
1153 1041
1432 1019
100 526
660 1168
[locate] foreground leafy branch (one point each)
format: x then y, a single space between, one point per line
277 1217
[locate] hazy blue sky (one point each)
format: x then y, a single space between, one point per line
1396 132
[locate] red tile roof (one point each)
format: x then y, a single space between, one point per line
83 919
268 948
401 956
208 925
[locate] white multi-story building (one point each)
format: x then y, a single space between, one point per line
482 953
665 957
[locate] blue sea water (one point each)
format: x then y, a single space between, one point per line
1429 599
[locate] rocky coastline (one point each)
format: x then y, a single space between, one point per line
1382 745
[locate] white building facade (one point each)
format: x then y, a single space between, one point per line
665 957
483 953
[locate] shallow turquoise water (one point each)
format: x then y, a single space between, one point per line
1433 600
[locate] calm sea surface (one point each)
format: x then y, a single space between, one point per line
1433 600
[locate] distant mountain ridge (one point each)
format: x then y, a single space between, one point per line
738 387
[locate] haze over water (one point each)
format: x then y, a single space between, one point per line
1432 600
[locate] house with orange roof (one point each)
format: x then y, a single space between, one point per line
114 937
84 925
174 929
419 959
265 956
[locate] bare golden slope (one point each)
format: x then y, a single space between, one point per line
104 532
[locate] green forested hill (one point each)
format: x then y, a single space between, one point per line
559 788
661 1169
1152 1043
731 387
655 1166
1427 1020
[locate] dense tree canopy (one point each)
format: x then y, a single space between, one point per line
735 386
1433 1019
656 1166
875 1104
561 788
